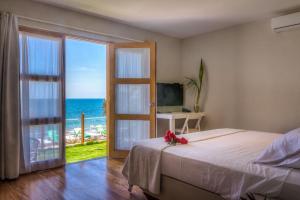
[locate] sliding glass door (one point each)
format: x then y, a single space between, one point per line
42 100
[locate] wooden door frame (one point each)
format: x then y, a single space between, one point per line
111 81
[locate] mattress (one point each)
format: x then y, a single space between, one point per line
228 160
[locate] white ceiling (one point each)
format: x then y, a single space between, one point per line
180 18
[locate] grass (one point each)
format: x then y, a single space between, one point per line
86 151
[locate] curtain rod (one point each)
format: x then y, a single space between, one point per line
78 29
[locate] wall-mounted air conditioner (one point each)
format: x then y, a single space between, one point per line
286 22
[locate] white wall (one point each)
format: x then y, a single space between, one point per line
168 48
253 76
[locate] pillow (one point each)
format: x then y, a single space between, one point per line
284 151
292 162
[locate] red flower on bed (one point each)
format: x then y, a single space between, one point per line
183 140
171 138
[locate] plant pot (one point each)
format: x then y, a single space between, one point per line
197 108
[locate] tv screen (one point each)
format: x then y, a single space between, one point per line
169 94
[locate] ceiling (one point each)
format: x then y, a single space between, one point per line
180 18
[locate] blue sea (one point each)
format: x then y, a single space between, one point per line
92 109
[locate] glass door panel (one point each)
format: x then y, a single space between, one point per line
133 99
133 63
130 131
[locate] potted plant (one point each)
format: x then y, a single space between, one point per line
196 85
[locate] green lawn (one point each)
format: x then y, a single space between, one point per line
84 152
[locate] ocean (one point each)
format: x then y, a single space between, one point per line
93 112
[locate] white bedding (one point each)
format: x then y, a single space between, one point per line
217 160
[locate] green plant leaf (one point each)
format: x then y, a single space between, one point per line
192 83
201 73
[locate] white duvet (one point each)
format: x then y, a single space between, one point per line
219 160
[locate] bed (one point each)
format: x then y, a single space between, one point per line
216 164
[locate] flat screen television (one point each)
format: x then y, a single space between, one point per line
169 94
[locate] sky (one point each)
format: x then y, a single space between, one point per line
85 69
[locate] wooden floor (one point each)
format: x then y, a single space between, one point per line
94 179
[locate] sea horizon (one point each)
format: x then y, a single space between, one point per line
83 98
92 109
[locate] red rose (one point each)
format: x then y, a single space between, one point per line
183 141
167 138
170 137
168 133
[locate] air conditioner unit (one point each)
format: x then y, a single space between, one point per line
286 22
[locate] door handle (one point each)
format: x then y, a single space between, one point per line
152 104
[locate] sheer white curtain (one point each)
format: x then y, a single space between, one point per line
130 131
41 101
133 63
132 98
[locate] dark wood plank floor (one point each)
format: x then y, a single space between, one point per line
94 179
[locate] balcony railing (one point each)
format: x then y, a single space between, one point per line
84 129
